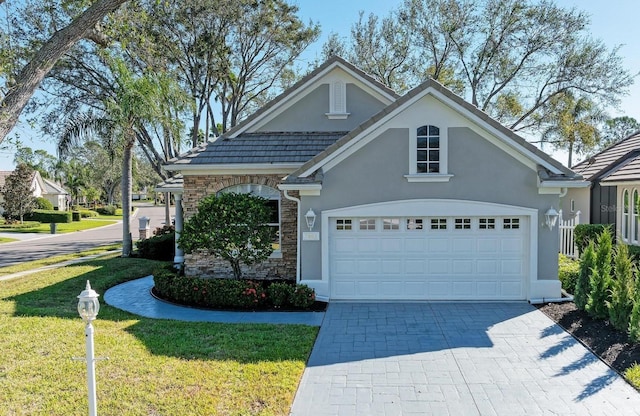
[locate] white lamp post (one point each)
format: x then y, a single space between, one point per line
88 307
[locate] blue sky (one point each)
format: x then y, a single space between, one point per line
613 21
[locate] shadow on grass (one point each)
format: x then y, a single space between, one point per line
34 296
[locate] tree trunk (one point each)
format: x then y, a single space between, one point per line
127 161
34 72
235 265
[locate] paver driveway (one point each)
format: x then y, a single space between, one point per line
454 359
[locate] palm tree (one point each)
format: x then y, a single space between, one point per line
136 101
573 125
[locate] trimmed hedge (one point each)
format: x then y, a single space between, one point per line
87 213
107 210
75 216
159 247
583 233
230 293
45 216
568 271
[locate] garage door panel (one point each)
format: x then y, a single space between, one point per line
344 245
512 267
462 266
438 267
392 266
437 245
412 266
422 264
414 245
488 245
487 266
344 267
367 245
462 245
439 289
366 266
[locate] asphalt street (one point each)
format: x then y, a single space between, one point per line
39 246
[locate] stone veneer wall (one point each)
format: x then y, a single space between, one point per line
196 187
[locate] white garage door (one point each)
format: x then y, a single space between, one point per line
428 258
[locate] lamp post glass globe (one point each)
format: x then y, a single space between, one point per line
88 305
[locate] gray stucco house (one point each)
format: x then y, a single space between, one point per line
384 197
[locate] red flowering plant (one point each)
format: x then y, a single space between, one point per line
253 295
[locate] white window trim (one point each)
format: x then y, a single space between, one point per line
443 175
337 101
626 217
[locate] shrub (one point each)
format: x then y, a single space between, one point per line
634 320
279 294
621 302
583 284
568 271
43 203
75 215
159 247
230 226
45 216
634 253
583 233
87 213
302 297
601 277
227 293
106 210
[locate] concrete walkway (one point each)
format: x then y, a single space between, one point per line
454 359
135 297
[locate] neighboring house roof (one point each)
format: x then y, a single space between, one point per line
3 176
554 169
616 161
268 147
53 188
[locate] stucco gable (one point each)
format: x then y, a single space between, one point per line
492 130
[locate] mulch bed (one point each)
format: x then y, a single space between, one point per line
611 345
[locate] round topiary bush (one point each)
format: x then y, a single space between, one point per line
43 203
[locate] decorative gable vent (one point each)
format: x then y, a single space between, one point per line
337 101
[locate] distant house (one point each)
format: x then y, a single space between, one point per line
614 195
44 188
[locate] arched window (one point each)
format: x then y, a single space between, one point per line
428 149
625 215
273 201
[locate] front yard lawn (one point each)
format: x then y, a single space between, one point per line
85 224
7 240
157 367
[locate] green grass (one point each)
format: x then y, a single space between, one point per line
155 367
30 265
85 224
7 240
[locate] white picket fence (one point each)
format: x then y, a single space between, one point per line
567 240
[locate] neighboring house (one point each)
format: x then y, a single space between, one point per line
382 197
614 195
44 188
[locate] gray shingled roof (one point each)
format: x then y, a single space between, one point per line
629 170
598 165
51 187
263 147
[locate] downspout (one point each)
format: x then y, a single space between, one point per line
563 192
297 201
565 298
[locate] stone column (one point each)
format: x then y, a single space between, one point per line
178 260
